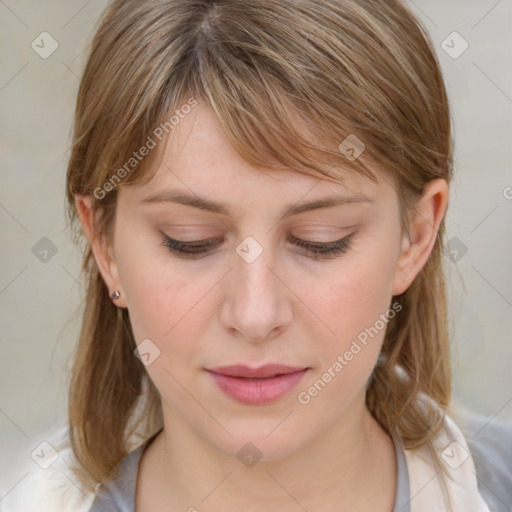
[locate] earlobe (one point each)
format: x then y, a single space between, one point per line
100 248
418 243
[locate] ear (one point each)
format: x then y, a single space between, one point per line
103 253
424 224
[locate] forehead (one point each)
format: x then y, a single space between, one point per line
198 159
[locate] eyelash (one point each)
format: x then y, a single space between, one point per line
320 250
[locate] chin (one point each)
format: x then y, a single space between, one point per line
258 439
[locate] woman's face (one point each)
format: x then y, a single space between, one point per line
255 296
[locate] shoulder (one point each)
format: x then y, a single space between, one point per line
119 494
490 442
478 464
46 482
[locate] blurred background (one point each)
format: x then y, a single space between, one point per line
43 48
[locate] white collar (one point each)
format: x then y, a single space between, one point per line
426 491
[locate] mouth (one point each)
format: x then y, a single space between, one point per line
263 372
257 386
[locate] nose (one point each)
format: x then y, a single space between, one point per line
257 305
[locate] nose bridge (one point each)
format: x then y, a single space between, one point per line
257 303
253 268
255 282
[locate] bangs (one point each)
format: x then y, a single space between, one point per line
326 101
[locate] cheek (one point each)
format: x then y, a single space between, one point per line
157 294
352 301
351 306
161 304
354 297
165 309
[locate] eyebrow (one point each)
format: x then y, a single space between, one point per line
184 198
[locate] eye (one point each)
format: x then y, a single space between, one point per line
197 248
324 249
190 249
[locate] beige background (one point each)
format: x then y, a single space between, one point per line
39 301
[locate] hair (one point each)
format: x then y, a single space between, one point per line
288 81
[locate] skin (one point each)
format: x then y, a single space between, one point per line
285 307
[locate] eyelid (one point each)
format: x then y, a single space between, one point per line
206 242
326 250
211 241
314 249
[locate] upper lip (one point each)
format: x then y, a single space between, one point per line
268 370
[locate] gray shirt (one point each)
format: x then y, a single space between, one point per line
490 443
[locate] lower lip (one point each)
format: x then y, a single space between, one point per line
258 391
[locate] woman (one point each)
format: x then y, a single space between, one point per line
263 187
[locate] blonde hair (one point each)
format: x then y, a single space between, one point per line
288 80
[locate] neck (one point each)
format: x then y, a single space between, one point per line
351 466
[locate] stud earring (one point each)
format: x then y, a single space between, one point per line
116 295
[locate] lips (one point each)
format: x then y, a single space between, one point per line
269 370
257 386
